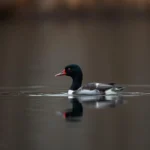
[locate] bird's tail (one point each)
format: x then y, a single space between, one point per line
117 88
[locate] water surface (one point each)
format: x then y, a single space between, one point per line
108 50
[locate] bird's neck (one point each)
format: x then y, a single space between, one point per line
76 83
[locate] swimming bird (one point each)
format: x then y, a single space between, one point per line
74 71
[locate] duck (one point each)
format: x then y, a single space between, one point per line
94 88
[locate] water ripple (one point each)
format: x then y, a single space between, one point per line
34 91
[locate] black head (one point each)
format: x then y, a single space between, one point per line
75 72
72 70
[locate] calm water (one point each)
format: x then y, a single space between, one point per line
108 50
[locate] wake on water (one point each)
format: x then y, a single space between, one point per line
31 91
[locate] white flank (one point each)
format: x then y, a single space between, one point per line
88 92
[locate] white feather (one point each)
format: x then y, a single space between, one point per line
70 92
88 92
84 92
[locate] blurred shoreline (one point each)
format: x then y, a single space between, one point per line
80 13
23 9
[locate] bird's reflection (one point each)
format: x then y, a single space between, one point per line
76 112
101 102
